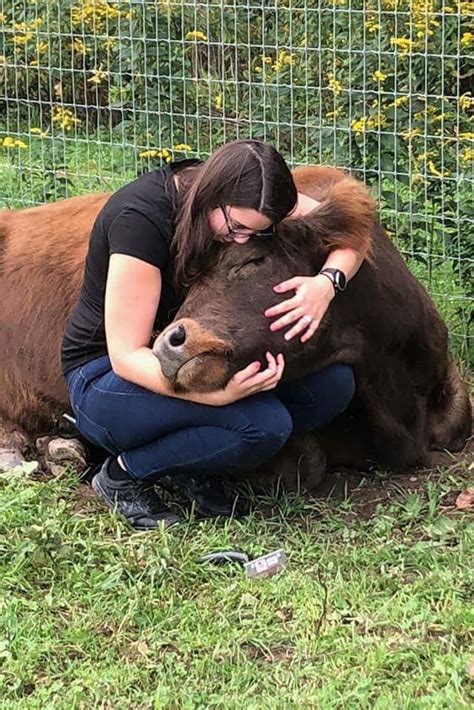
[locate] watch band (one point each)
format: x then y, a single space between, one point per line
336 277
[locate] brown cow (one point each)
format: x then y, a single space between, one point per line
410 396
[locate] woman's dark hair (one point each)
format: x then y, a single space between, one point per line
242 173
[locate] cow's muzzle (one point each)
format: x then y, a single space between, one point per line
192 358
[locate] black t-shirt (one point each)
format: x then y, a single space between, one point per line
137 220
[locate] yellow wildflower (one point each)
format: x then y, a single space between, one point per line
79 46
38 132
405 44
467 154
155 153
379 75
218 102
434 170
148 154
93 15
467 39
98 76
467 136
466 8
466 101
284 58
372 25
3 17
399 101
197 35
9 142
335 85
110 43
23 39
410 133
65 118
182 146
358 125
266 60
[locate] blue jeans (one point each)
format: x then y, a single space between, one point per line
158 435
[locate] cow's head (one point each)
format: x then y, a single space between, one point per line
221 326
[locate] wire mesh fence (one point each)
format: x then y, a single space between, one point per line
93 93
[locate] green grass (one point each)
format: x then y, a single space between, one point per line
373 611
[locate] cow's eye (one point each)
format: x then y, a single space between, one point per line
246 268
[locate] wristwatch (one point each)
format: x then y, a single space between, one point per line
336 277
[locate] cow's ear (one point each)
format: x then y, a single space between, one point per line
345 218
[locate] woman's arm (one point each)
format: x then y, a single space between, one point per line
132 296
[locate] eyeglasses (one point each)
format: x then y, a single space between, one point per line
232 233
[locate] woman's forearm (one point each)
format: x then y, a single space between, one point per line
143 368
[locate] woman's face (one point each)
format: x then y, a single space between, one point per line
237 224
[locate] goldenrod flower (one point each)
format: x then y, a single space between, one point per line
38 132
79 46
403 43
182 147
410 133
283 59
197 35
335 85
399 101
148 153
434 170
466 155
93 15
358 125
98 76
466 101
65 118
155 153
9 142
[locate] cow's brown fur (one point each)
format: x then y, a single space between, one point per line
42 253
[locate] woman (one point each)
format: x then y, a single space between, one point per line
153 238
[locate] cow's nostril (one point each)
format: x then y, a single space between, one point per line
177 336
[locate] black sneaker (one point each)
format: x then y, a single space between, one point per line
138 502
206 492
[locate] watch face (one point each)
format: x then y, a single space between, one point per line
340 280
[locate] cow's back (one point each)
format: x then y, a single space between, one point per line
42 254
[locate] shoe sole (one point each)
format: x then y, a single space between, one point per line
111 505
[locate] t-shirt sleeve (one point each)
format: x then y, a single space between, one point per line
133 233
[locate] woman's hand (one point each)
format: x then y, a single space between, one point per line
245 382
306 308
